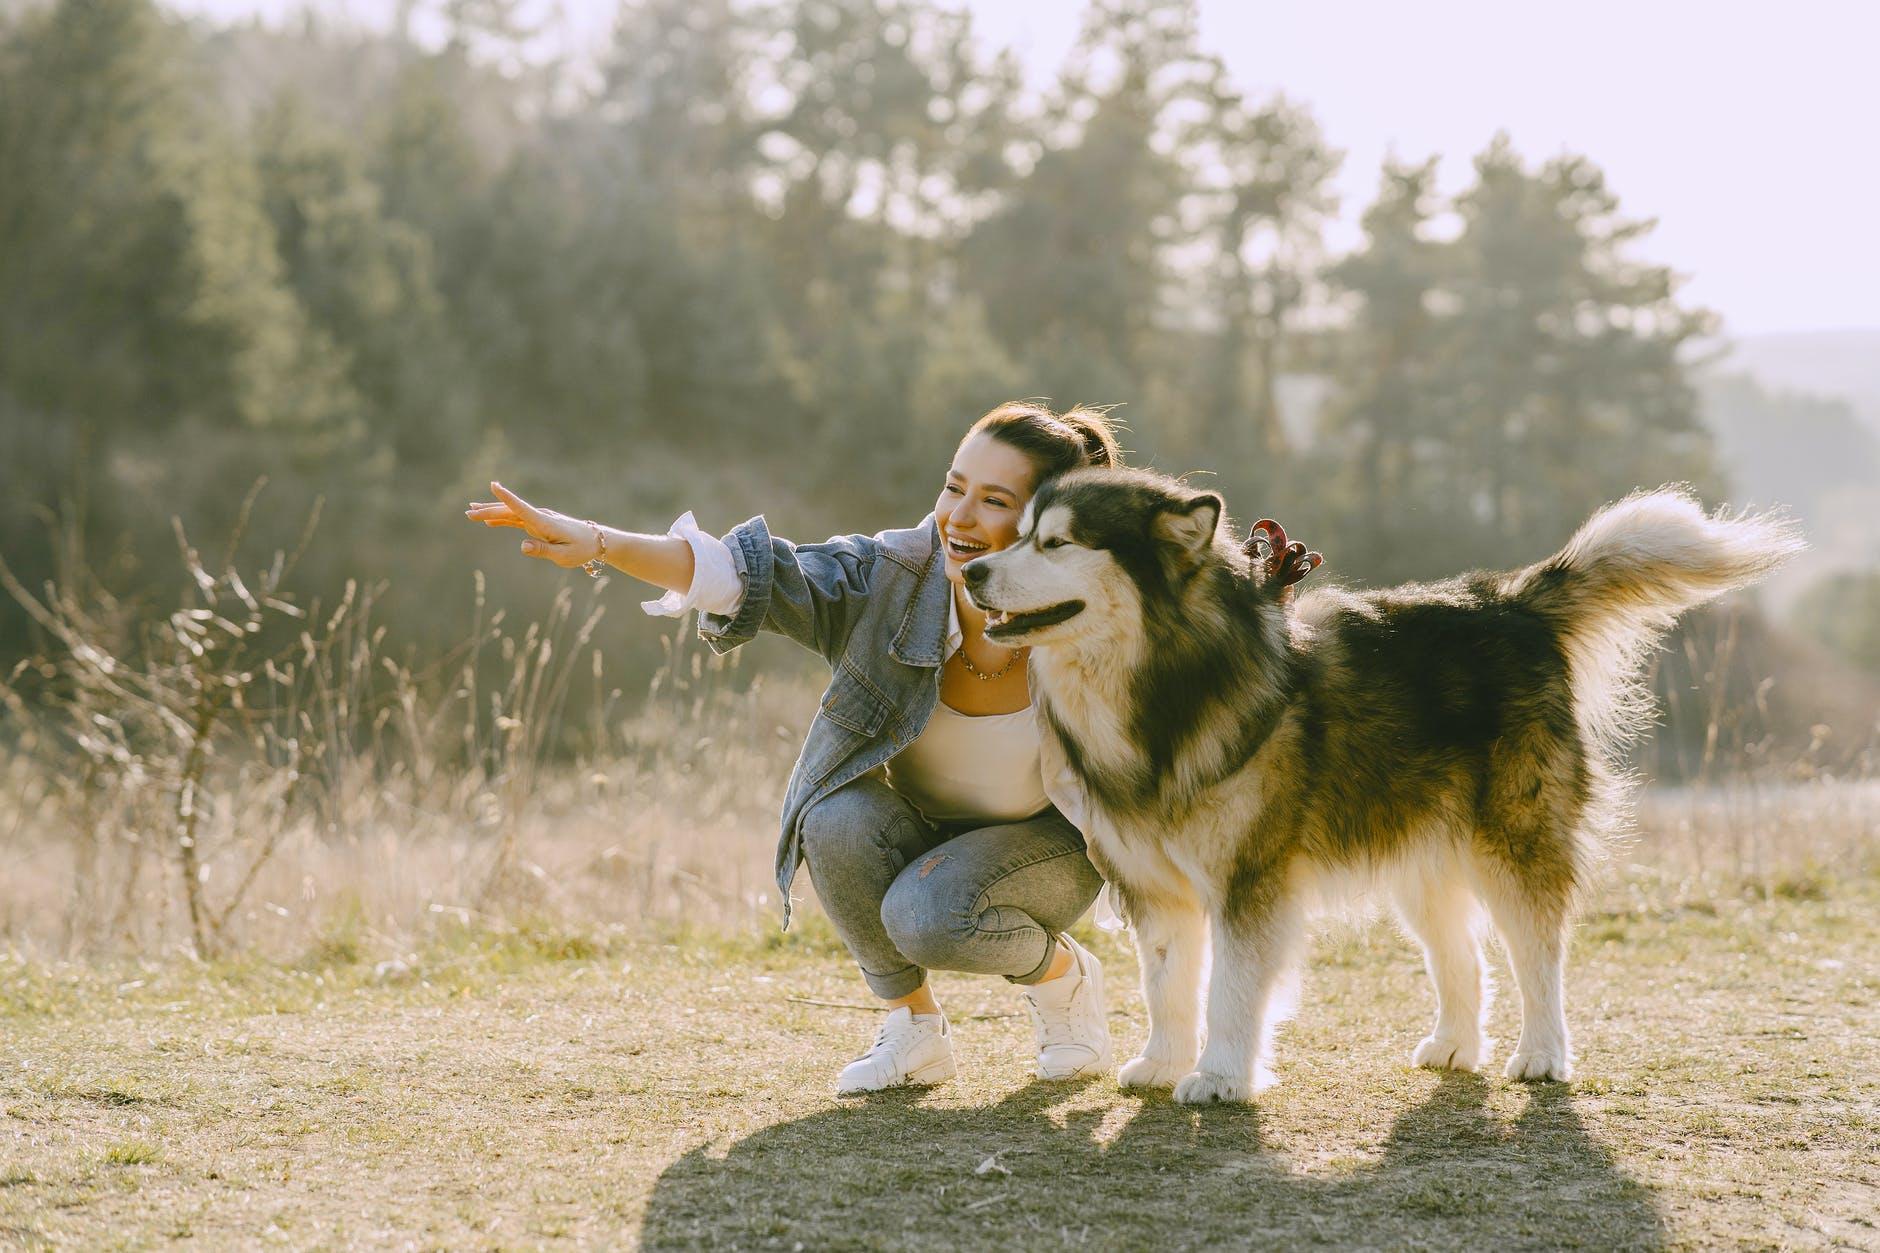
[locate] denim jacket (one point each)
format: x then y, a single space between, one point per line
875 607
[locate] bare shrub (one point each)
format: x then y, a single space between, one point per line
241 770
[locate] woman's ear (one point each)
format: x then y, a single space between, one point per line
1190 524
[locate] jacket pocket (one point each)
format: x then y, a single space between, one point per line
851 703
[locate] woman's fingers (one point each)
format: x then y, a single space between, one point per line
550 534
512 510
522 507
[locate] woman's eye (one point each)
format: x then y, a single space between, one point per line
949 487
995 501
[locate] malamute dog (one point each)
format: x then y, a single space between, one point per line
1451 743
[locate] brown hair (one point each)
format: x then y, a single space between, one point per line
1052 442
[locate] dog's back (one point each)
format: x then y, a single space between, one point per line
1436 711
1494 705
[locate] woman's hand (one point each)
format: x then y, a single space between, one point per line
1282 560
552 536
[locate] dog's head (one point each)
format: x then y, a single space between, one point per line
1094 548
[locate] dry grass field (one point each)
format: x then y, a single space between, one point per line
532 1087
360 967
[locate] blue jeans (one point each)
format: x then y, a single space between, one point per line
907 894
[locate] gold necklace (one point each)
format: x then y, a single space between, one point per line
977 673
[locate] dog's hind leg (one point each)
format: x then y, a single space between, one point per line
1531 915
1441 914
1255 947
1170 942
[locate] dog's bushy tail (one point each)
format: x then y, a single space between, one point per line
1624 578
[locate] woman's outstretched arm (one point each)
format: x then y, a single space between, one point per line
662 560
747 582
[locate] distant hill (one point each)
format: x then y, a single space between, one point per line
1797 421
1827 363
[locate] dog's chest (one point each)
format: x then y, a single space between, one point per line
1095 727
1187 859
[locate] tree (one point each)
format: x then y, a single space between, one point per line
1385 425
140 284
143 304
367 283
1563 370
1265 172
1073 269
1504 384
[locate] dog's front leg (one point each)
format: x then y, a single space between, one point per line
1253 949
1170 941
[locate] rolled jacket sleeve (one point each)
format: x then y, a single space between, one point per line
812 593
715 588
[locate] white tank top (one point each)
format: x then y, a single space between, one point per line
973 766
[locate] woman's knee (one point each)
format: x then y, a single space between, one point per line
929 924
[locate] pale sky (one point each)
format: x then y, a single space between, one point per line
1750 135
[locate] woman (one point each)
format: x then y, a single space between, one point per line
919 801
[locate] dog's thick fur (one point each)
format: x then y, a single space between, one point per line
1248 764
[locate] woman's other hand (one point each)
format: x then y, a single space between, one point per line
1284 561
552 536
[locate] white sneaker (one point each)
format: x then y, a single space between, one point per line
909 1048
1067 1017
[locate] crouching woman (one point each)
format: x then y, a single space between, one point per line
932 833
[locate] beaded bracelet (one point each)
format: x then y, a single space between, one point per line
598 562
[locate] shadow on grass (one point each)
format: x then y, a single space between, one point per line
1144 1172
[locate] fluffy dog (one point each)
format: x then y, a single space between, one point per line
1248 764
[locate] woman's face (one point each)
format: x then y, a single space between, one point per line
986 490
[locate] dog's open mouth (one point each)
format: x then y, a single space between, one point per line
1003 624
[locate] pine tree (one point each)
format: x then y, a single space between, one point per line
1266 173
1563 374
1383 428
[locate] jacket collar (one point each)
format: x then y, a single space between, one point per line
922 637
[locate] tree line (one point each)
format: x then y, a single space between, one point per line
768 256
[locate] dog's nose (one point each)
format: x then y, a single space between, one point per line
974 572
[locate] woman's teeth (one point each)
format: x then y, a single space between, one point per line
962 548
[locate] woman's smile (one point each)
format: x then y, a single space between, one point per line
962 549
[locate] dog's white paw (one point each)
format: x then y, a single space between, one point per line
1439 1052
1203 1088
1539 1064
1149 1072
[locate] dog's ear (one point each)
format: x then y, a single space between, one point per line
1190 524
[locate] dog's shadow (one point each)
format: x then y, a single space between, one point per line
899 1171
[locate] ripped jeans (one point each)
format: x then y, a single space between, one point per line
907 894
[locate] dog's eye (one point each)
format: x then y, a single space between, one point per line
1054 542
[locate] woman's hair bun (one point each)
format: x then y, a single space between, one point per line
1080 437
1094 428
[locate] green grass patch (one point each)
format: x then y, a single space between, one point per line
132 1153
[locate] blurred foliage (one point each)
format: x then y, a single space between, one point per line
1842 612
774 256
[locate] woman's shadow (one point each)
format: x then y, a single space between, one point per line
1144 1172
